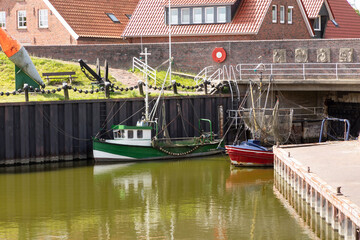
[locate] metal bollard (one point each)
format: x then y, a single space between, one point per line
174 86
66 91
141 89
107 89
26 90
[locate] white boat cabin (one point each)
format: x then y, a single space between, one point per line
131 135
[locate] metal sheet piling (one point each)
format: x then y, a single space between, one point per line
338 210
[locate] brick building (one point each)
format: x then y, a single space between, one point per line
61 22
222 20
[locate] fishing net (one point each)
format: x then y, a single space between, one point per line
269 125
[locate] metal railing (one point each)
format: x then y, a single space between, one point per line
141 66
303 71
203 75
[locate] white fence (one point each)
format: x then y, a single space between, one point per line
141 66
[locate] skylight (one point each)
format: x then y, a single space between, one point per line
113 18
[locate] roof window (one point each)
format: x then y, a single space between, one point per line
112 17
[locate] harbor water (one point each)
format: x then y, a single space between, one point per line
190 199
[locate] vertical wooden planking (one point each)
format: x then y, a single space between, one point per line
32 132
54 132
39 132
17 134
68 130
9 134
82 130
171 112
75 129
89 123
24 133
95 118
61 130
2 134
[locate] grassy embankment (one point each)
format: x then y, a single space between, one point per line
7 82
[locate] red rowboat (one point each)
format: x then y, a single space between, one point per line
250 153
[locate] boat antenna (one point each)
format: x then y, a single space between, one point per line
146 54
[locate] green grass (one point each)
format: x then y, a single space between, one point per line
7 82
160 76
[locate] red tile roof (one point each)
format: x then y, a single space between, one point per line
312 7
199 2
346 17
88 18
148 20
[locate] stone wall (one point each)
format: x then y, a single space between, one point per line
191 57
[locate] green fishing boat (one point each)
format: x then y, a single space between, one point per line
143 141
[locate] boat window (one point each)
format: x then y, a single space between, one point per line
130 134
122 134
116 134
139 133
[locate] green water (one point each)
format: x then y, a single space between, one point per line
189 199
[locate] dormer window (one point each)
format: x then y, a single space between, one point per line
185 15
197 15
221 14
174 16
209 15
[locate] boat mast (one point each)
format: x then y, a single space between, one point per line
146 54
170 41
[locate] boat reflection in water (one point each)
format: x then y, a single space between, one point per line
195 199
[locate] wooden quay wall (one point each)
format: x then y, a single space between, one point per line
36 132
326 177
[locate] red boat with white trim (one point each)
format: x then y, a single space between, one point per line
250 153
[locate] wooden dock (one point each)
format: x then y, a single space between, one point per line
327 177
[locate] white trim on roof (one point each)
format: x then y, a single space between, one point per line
61 19
264 15
306 19
331 16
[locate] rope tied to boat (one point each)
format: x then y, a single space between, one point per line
178 154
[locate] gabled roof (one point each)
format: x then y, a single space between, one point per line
199 2
312 7
88 18
347 19
149 20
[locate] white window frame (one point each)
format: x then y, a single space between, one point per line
274 13
43 18
183 21
282 14
290 15
3 19
319 28
172 15
218 15
194 9
206 14
24 22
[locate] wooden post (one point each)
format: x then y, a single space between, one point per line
26 90
141 89
106 73
174 87
205 87
107 89
66 91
